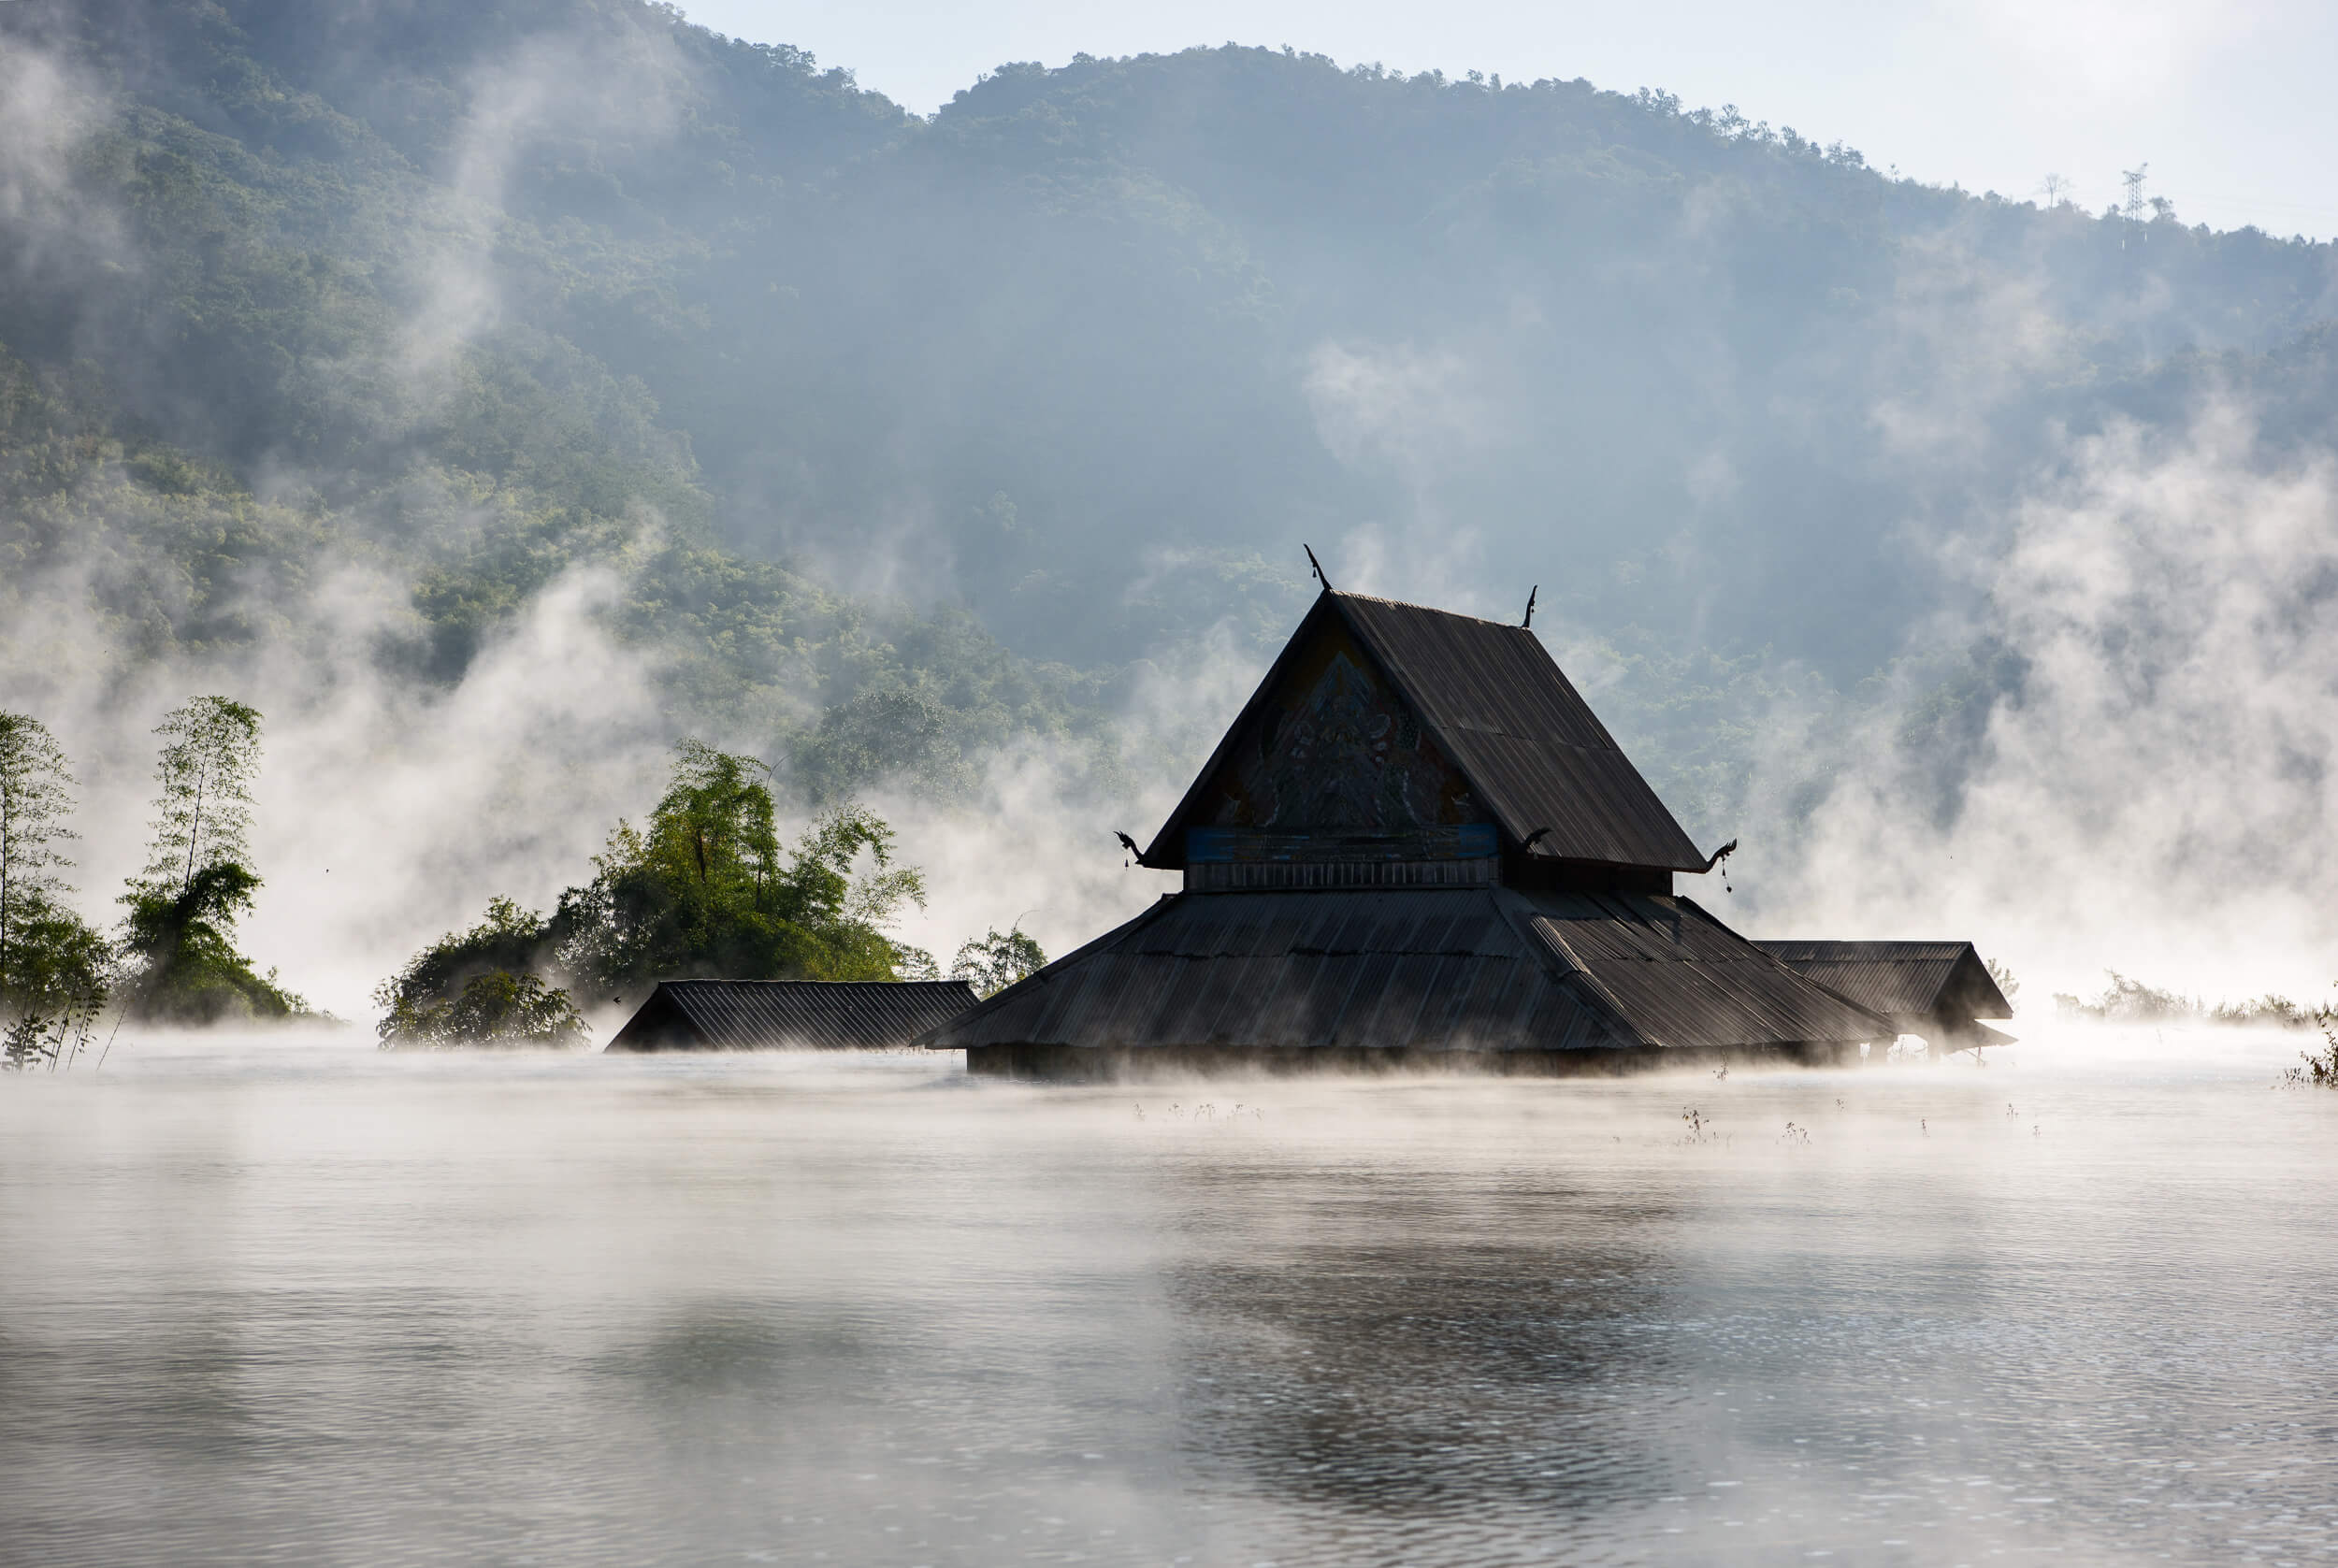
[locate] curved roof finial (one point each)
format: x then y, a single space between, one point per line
1319 570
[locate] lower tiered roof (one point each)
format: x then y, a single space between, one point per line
1478 969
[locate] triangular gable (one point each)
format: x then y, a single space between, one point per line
784 1015
1975 991
1329 744
1379 716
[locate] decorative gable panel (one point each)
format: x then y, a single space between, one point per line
1334 748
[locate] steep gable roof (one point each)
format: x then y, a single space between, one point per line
1499 707
790 1014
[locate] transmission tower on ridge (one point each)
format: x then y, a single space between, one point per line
2134 179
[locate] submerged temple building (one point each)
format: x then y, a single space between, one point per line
1416 844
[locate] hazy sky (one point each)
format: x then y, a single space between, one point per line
2228 101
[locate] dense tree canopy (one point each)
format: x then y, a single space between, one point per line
180 941
704 887
483 986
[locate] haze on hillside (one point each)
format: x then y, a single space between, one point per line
495 393
2224 106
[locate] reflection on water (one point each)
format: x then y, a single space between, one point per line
301 1302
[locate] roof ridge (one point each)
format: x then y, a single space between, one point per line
727 980
1425 609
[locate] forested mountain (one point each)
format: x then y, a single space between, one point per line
906 437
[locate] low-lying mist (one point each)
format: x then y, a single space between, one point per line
2142 787
2138 790
292 1294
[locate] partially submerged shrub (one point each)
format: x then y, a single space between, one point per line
2130 1001
2269 1009
496 1010
182 963
477 987
56 971
2321 1067
995 960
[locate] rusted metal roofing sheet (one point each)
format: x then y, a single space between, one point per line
790 1014
1420 970
1500 707
1900 979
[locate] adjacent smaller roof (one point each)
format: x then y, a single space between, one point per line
1900 979
790 1014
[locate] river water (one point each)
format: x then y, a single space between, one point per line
297 1301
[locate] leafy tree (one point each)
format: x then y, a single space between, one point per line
993 961
914 963
187 969
496 1010
704 889
713 823
178 937
35 796
59 979
203 817
504 1009
2321 1067
480 988
52 966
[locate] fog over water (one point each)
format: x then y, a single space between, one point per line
494 395
296 1299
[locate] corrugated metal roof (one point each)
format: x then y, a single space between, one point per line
1900 979
1421 970
1529 743
790 1014
1683 978
1499 705
1799 950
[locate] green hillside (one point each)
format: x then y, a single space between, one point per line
905 435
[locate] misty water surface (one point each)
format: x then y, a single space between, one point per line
301 1302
